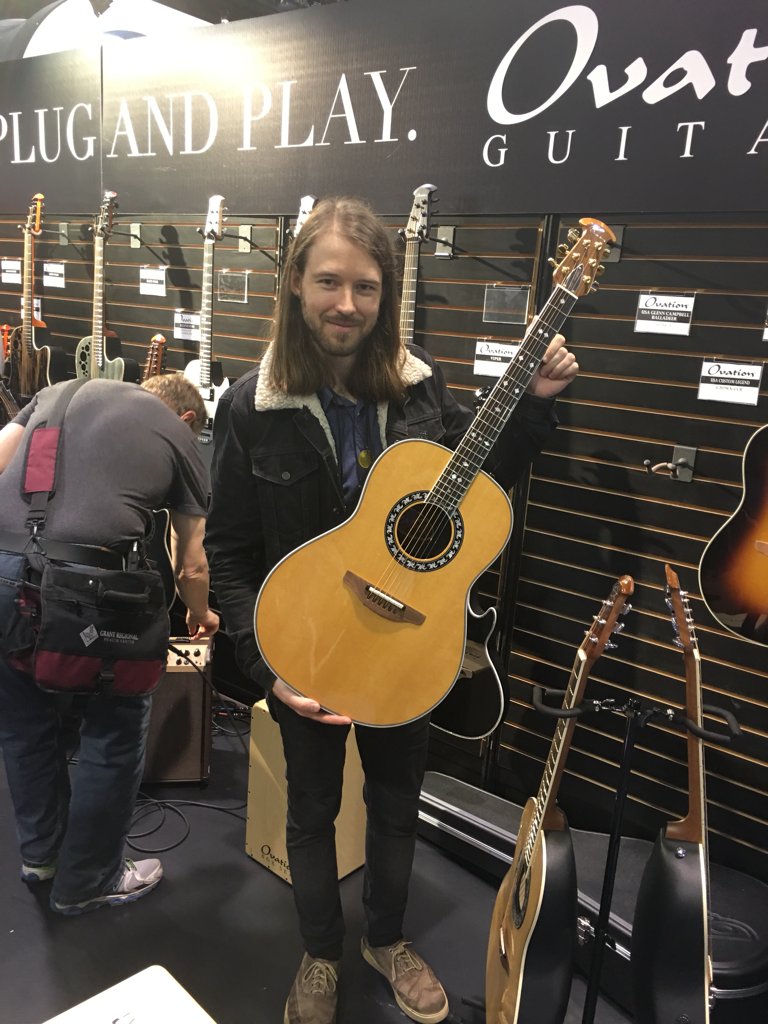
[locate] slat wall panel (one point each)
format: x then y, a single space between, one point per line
595 513
239 329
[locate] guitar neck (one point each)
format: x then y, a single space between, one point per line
206 314
484 431
408 298
28 291
693 827
97 323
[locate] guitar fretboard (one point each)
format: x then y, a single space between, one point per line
97 322
206 311
471 453
408 299
28 292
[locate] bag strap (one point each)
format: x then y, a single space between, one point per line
42 457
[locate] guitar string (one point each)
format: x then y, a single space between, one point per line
474 447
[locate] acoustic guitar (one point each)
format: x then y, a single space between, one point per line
9 404
671 944
733 571
31 366
198 371
531 942
100 354
369 618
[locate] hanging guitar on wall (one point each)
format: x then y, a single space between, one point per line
530 948
369 618
671 943
31 366
733 571
100 355
10 406
202 371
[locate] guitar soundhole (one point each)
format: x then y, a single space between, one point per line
520 894
421 535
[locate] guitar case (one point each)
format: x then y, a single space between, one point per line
479 829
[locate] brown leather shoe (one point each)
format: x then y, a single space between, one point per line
417 991
312 999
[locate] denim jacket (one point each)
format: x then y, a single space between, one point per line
276 484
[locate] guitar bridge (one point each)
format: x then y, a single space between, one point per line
380 602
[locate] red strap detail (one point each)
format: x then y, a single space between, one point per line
41 460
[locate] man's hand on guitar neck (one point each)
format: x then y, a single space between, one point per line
305 706
557 370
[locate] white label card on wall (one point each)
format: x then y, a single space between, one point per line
664 314
152 280
37 308
730 382
53 275
492 357
186 326
10 271
765 327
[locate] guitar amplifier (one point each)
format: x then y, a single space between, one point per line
480 829
179 739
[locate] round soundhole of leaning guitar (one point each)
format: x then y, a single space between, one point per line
422 536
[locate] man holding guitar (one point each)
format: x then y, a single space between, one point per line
294 440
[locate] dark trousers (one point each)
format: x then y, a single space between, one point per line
394 761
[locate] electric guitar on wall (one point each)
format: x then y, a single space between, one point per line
671 946
369 618
198 371
733 572
99 355
30 366
531 942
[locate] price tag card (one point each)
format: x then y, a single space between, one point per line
10 271
186 326
53 275
730 382
506 304
152 280
492 357
37 308
664 314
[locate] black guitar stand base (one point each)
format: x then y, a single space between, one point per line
637 714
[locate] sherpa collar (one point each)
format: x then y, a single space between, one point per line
412 371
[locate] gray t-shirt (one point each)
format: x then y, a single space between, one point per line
123 453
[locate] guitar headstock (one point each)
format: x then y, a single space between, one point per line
156 357
35 214
6 342
105 216
580 266
306 206
214 221
606 622
682 616
417 228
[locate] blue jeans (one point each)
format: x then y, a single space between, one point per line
394 761
79 826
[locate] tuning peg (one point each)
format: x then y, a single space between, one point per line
600 270
562 250
606 251
573 235
626 609
611 646
595 287
618 627
551 261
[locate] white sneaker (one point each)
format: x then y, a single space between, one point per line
37 872
138 878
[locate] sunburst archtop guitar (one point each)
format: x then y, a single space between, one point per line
369 618
531 941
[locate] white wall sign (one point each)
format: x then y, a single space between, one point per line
53 275
492 357
152 280
186 326
664 314
730 382
37 308
10 271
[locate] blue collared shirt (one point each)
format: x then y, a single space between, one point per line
355 430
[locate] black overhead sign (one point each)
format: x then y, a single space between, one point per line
509 107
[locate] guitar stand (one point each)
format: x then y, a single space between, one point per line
637 715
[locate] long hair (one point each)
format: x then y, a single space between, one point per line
298 367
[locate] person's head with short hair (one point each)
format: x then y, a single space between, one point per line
181 396
310 329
